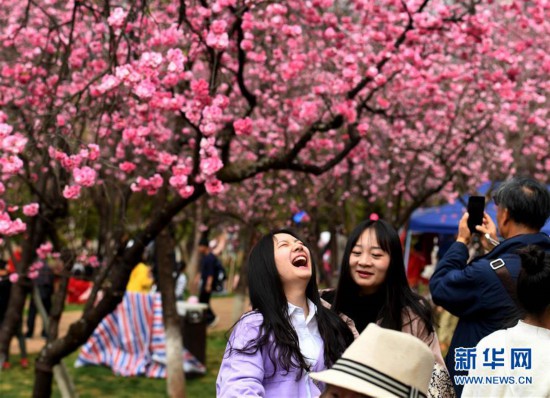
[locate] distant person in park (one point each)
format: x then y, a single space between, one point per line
180 280
288 333
44 282
380 363
482 292
415 266
373 288
205 279
530 338
5 289
141 279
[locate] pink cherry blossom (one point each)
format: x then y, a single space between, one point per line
94 151
14 143
5 130
44 250
32 274
93 261
217 41
85 176
186 192
71 192
10 227
209 166
145 89
117 17
31 209
127 167
176 60
107 83
243 126
11 165
214 186
149 185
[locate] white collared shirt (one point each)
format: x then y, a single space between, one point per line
307 330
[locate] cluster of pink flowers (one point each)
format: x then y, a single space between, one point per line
180 178
11 144
44 250
243 126
209 165
149 185
11 227
212 115
91 260
34 269
85 176
117 18
71 192
217 37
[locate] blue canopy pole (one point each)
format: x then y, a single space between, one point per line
407 249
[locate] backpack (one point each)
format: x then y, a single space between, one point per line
220 277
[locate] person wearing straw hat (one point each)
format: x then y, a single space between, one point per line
380 363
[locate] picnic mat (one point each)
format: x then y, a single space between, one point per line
131 340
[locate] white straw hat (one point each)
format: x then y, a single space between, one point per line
382 363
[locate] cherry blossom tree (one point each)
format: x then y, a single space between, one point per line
128 112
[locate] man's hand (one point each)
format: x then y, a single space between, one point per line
464 234
490 228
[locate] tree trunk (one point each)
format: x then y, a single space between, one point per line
12 318
175 377
193 266
14 314
62 377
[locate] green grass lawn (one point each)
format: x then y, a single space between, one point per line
99 382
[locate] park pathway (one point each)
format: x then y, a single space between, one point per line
222 306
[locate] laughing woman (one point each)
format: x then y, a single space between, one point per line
373 288
288 333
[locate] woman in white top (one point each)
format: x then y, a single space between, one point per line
515 362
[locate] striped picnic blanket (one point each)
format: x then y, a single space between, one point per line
131 340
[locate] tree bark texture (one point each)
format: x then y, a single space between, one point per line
36 230
175 378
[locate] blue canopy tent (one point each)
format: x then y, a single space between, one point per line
442 219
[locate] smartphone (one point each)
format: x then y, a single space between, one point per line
476 208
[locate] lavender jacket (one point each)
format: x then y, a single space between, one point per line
243 375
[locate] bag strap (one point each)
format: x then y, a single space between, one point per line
499 266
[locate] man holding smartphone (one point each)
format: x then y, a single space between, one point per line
482 293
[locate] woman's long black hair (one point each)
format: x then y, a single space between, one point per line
268 298
397 292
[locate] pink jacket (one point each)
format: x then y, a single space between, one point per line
440 383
